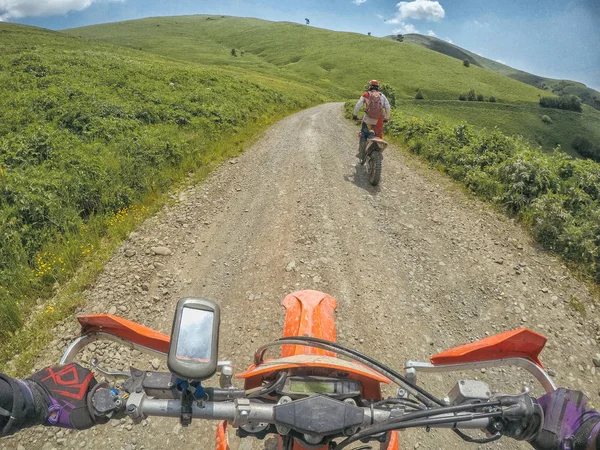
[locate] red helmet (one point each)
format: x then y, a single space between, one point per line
374 83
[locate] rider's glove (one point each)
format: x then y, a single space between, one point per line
65 391
354 117
570 422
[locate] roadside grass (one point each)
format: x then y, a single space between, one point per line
89 133
93 249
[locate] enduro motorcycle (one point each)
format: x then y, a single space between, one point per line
318 394
371 154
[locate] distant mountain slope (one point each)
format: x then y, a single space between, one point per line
588 95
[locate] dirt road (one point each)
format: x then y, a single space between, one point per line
416 266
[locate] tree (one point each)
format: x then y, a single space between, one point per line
369 33
400 38
466 63
471 96
233 53
480 97
307 21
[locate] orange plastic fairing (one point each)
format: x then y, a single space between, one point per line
222 443
521 343
126 329
308 313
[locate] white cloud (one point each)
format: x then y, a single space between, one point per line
358 2
428 10
431 33
447 39
15 9
406 28
500 61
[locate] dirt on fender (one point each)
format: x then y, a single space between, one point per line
416 265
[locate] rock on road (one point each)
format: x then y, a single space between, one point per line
416 265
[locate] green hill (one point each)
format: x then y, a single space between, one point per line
588 95
89 130
340 64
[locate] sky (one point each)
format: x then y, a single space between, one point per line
552 38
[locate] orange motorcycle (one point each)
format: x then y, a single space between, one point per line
370 152
318 394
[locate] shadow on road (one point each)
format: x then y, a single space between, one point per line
360 178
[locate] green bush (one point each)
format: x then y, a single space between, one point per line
546 119
390 93
492 99
419 95
586 148
471 96
466 63
566 102
480 97
556 195
462 97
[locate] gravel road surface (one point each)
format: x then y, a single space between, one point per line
417 265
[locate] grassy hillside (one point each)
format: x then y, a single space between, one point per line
560 87
88 131
341 63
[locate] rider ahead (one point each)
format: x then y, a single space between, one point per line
377 111
60 396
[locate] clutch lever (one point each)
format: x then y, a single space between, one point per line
113 375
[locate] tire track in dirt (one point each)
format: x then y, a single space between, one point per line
416 266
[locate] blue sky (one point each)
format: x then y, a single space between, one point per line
554 38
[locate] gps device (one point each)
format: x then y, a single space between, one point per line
193 351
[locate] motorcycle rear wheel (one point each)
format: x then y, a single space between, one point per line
374 167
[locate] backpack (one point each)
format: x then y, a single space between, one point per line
375 106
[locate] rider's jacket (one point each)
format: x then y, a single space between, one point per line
364 100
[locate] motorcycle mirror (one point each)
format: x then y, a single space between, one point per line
193 350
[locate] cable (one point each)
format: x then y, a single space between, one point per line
467 438
266 390
400 401
419 393
413 424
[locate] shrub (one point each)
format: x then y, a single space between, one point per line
233 52
585 147
419 95
389 92
492 99
462 97
480 97
471 96
566 102
546 119
466 63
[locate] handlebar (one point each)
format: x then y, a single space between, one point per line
321 416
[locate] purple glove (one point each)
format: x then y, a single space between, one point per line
570 422
67 388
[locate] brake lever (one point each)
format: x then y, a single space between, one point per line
113 375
